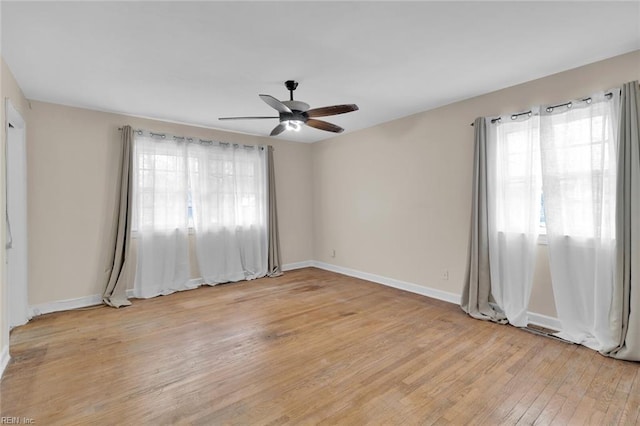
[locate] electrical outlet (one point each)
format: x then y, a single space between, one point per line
445 274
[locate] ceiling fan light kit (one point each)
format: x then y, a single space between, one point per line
293 114
293 125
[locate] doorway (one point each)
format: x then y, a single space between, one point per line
16 218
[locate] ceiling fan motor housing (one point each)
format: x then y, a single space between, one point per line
294 116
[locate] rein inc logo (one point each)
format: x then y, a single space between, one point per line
6 420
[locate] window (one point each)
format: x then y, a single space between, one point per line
569 152
578 161
161 192
515 168
180 184
554 167
228 186
216 191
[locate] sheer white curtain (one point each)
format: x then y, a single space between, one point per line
578 156
160 215
514 186
229 199
221 190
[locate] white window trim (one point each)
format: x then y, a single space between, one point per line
542 238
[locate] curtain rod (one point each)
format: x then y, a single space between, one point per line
194 140
549 108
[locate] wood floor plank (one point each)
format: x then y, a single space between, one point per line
557 374
309 347
631 410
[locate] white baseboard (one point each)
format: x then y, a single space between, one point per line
65 305
4 359
69 304
391 282
544 321
297 265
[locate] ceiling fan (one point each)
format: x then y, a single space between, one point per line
293 114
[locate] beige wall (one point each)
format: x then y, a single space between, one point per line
8 90
391 200
394 200
73 156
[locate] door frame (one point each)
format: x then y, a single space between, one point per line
17 308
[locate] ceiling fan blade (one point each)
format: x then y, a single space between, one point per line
244 118
332 110
275 104
278 129
323 125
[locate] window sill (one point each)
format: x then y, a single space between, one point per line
542 239
134 234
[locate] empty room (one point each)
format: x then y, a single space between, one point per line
320 212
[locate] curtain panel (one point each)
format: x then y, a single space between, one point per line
578 155
476 291
513 197
229 204
115 293
625 315
161 215
274 267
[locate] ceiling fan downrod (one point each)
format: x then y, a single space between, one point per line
291 85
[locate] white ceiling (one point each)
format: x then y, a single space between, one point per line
193 62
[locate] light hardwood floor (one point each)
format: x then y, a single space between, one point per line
311 347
